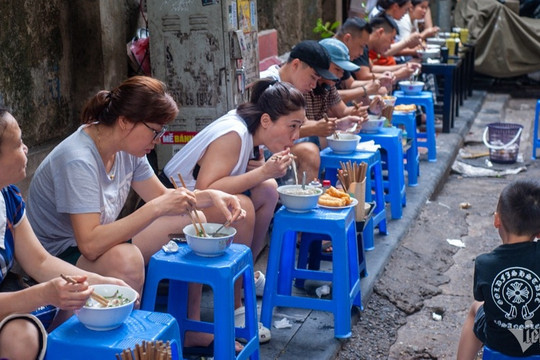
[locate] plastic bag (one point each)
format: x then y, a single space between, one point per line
139 52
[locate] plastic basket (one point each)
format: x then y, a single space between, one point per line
503 142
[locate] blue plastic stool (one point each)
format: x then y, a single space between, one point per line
425 99
330 161
220 273
339 225
490 354
536 139
72 340
310 254
408 120
390 140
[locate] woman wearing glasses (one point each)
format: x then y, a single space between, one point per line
78 191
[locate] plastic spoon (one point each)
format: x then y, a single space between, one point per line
304 180
414 76
352 129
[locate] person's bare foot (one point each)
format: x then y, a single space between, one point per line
193 339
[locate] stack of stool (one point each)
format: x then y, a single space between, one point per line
72 340
220 273
330 161
390 140
535 138
425 99
339 226
408 120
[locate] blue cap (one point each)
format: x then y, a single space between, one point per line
339 54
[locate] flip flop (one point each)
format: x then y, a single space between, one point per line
239 321
259 284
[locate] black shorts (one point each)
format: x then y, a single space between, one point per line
479 327
70 255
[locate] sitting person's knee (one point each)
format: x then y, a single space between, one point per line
19 337
129 263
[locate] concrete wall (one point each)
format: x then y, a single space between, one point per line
53 56
294 19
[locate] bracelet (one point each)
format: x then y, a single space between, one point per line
365 91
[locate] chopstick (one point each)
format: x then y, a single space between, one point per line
336 136
351 173
194 211
100 299
197 231
149 350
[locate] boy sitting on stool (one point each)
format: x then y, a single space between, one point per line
507 280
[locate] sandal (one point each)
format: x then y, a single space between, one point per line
239 321
259 284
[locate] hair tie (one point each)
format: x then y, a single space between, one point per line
271 84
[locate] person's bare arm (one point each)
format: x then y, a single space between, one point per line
220 159
46 269
411 42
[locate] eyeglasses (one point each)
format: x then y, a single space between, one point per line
157 134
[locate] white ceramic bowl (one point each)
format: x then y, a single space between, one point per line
411 87
374 124
209 246
297 200
101 319
344 143
436 41
387 99
430 53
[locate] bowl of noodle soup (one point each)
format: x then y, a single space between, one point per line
296 199
97 317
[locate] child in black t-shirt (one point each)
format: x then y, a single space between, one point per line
506 313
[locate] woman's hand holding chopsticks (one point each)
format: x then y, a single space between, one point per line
278 164
228 204
179 201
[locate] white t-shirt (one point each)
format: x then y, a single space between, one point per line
185 160
406 26
272 72
72 180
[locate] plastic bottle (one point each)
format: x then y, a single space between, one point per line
315 183
326 184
